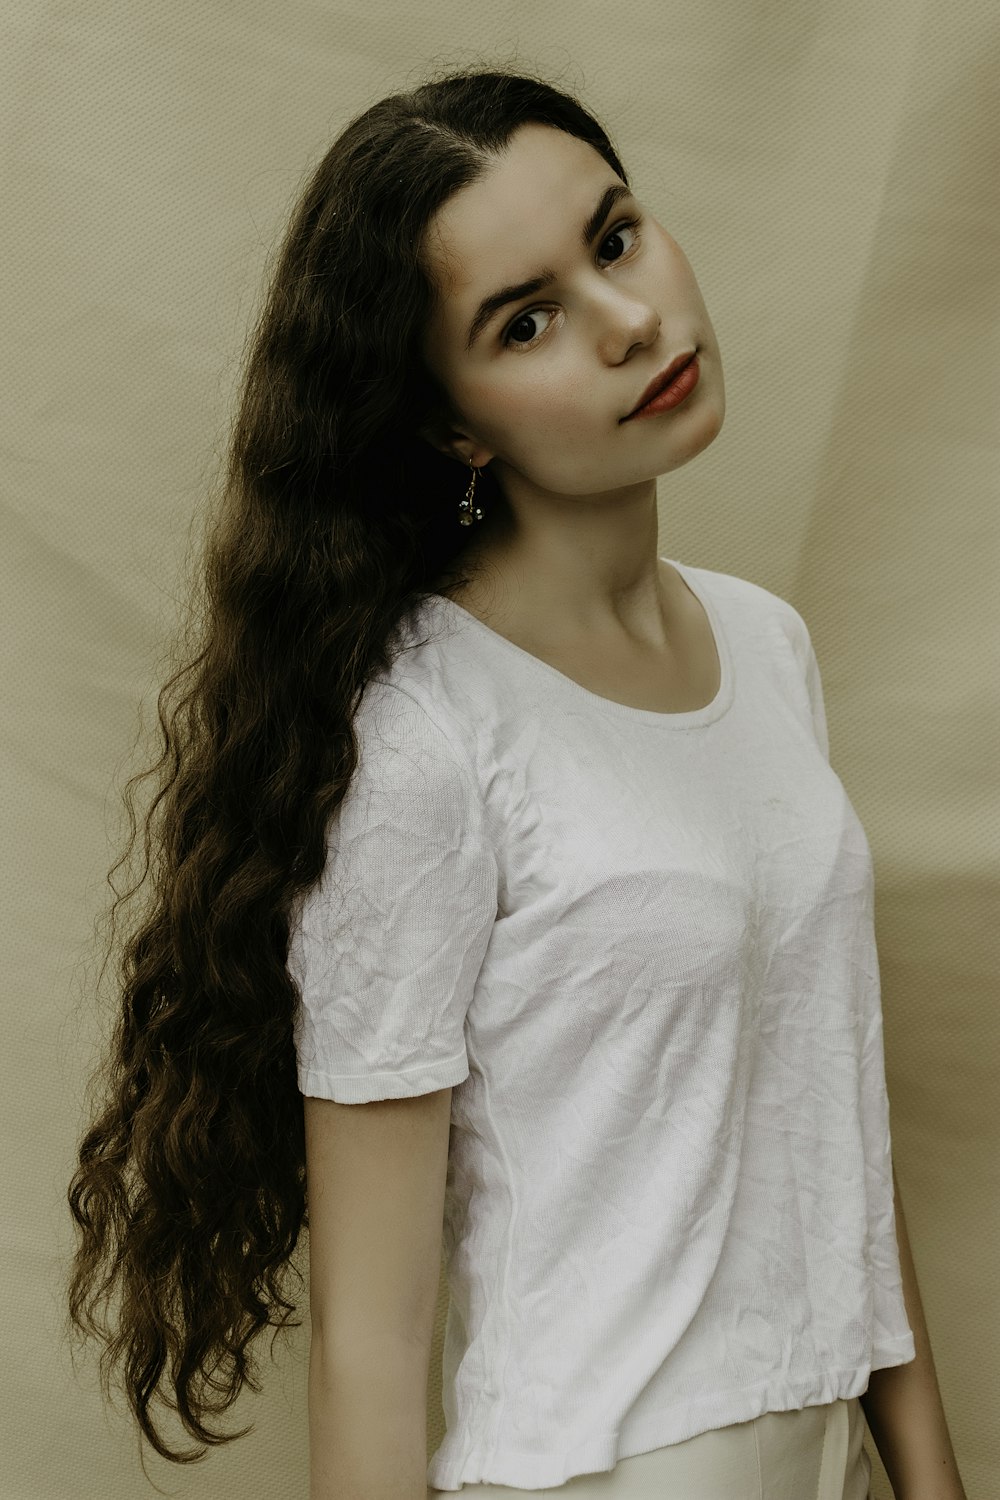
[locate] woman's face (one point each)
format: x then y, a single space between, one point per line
544 386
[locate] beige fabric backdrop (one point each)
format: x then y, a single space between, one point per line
831 171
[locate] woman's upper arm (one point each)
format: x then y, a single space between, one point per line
375 1182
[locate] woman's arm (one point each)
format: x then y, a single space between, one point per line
376 1175
903 1407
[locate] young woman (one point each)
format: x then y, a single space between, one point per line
502 888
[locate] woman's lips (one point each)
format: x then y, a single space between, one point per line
673 394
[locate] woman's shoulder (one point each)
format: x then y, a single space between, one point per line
744 594
416 704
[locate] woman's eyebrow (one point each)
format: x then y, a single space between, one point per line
492 304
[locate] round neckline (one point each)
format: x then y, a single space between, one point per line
689 719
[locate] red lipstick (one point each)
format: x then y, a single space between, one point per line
669 388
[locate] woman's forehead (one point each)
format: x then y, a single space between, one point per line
526 210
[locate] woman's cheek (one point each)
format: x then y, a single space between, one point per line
508 410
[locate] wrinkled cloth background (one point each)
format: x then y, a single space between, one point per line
832 173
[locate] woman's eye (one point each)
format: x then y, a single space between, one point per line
524 318
616 233
520 321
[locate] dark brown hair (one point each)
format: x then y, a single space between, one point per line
334 520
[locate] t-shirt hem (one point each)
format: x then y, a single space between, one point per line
661 1429
401 1083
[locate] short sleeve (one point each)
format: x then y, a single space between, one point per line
387 945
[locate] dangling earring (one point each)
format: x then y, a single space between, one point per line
467 510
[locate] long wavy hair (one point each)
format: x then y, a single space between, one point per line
333 520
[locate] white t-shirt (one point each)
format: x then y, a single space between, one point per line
640 946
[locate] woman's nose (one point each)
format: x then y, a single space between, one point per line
628 320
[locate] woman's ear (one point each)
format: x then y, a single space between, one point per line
436 432
453 443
